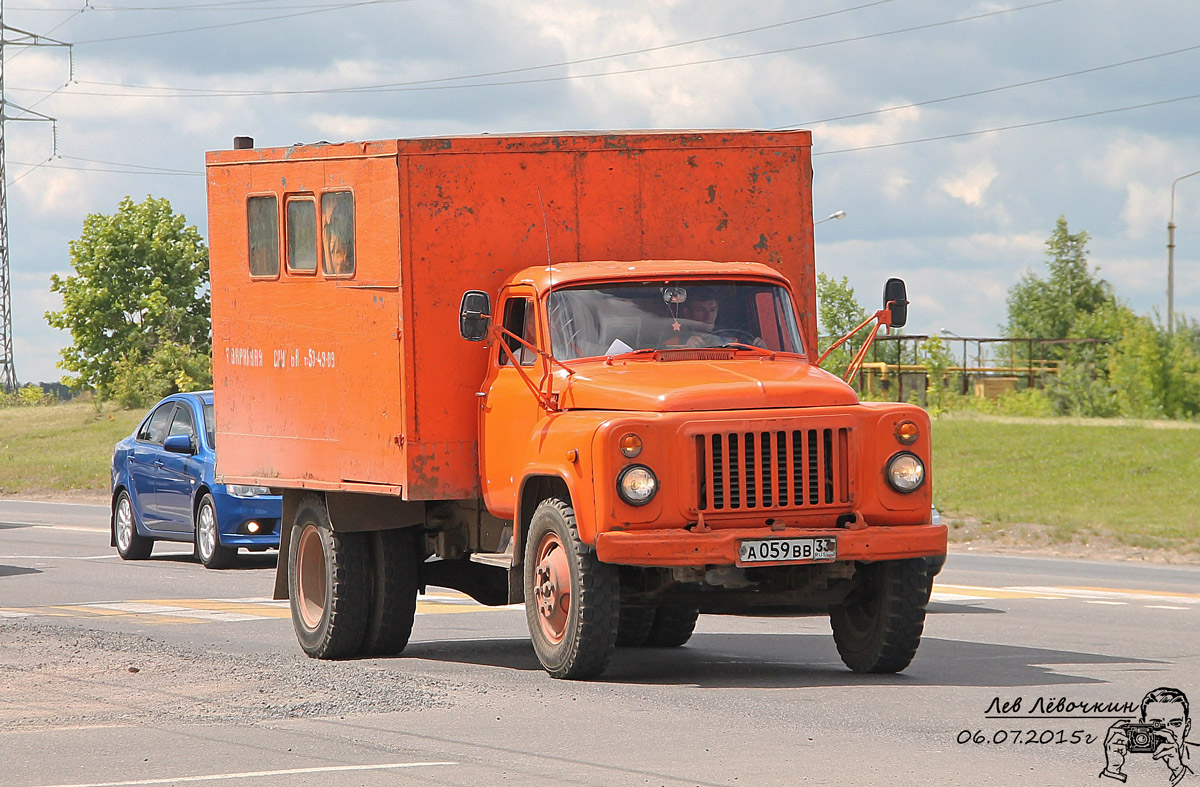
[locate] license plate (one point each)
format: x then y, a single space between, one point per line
787 550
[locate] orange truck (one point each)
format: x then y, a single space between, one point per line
576 371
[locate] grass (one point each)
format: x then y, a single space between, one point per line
62 449
1132 483
1023 480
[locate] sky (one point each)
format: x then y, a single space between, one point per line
952 134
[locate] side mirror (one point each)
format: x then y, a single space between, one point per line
475 315
895 293
179 444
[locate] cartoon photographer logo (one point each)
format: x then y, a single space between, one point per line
1161 732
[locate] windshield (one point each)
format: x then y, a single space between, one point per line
618 318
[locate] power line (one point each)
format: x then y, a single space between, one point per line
985 91
127 169
313 10
1012 127
438 83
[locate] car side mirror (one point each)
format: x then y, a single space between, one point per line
179 444
475 315
895 299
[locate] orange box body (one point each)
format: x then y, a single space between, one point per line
362 383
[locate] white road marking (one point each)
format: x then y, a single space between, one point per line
1109 603
1164 606
258 774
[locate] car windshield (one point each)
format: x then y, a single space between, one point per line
668 315
210 426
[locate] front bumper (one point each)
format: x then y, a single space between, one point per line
720 547
234 512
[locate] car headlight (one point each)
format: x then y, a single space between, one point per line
905 472
637 485
242 490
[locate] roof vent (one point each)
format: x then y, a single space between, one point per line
243 143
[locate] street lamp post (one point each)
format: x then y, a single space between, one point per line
1171 255
837 214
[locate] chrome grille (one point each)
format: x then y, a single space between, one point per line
773 469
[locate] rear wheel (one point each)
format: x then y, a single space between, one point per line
328 584
673 626
208 548
634 625
572 600
878 626
130 545
395 579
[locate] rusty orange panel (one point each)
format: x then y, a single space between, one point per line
364 380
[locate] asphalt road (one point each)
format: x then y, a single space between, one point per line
162 672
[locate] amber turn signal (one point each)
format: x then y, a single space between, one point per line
907 433
631 445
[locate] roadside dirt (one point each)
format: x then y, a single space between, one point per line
54 676
968 534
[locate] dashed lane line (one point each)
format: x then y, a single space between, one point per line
192 610
260 774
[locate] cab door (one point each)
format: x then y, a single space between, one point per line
511 411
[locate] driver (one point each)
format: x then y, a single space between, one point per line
701 313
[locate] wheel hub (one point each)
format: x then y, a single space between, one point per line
552 588
311 577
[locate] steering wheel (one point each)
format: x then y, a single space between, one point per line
737 335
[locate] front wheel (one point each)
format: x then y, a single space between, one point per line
328 584
130 544
878 626
572 600
208 548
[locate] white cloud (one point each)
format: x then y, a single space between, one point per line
970 186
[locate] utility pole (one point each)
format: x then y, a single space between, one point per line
8 372
1170 253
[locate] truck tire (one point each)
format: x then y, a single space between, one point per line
572 600
207 537
328 584
394 584
878 626
633 626
673 626
130 545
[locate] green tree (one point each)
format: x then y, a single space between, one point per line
1049 308
137 306
840 312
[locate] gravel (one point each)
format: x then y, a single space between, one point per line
58 676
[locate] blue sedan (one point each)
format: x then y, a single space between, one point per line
164 488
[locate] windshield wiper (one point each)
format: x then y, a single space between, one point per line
744 346
630 354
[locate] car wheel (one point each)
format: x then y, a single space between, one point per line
208 548
878 626
572 600
328 584
130 544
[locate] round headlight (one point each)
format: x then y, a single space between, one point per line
905 472
631 445
637 485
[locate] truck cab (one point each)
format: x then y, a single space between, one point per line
671 413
